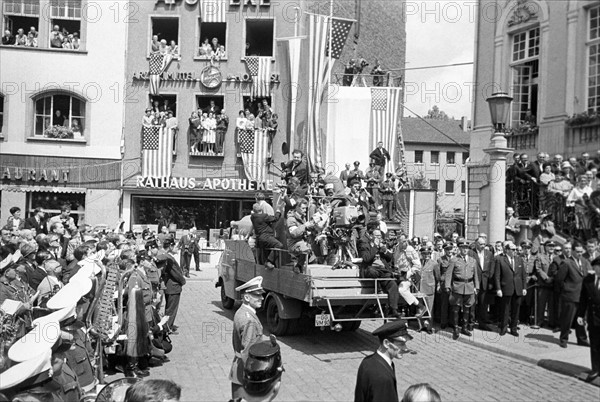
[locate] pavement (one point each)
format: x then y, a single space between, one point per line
322 365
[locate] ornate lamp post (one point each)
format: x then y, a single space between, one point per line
499 109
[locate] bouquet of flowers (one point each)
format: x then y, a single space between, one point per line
59 132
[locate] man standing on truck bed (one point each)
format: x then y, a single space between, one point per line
298 229
247 330
265 234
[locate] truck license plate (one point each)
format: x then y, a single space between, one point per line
322 320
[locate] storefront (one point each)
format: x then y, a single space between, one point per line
209 204
89 186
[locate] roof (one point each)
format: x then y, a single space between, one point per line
416 130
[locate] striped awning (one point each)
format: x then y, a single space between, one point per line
45 189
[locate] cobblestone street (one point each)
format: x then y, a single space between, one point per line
322 365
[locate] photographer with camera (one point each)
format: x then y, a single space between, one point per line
376 263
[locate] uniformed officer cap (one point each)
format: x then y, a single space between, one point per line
355 181
262 368
425 250
253 285
396 330
549 243
526 243
462 242
151 244
448 246
168 242
27 373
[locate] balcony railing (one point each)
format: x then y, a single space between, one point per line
581 136
523 139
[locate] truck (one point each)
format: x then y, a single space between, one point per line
328 296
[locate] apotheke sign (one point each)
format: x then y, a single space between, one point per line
191 183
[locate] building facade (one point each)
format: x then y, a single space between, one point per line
440 158
545 54
208 184
61 107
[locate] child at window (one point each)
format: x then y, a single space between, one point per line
205 49
68 42
76 128
220 53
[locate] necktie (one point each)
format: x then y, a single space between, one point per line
393 367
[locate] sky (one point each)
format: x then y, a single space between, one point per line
439 33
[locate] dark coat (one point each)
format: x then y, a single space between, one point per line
589 302
299 171
485 272
569 278
380 156
36 277
173 277
368 253
263 224
508 281
32 223
375 381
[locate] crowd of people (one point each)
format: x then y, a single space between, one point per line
59 38
353 72
54 271
164 47
208 128
213 49
568 189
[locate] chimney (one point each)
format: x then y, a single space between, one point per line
464 123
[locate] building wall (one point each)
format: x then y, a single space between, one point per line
441 171
96 74
562 82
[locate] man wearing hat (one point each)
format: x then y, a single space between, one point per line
247 330
545 289
355 174
262 372
174 281
511 286
444 262
462 283
376 378
373 178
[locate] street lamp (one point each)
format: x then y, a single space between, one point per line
499 104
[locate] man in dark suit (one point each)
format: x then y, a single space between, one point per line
296 168
36 221
545 280
485 269
174 281
376 378
511 283
380 156
589 302
376 260
568 284
265 234
188 245
591 250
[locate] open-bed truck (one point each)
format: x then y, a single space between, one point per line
333 298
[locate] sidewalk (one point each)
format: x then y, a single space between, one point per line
535 346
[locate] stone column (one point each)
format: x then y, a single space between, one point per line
498 152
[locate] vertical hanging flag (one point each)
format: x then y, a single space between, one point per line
384 121
157 151
340 30
158 64
260 71
213 10
254 147
291 48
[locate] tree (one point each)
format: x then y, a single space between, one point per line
436 114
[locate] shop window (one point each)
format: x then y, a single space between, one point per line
435 157
165 29
450 158
22 17
53 202
212 40
163 103
418 156
434 184
66 24
259 37
449 186
59 116
1 113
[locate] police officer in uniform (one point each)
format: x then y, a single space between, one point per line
376 378
462 283
247 330
444 263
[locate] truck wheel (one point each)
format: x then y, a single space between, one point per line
277 326
349 326
227 302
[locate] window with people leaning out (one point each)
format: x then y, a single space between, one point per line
22 24
259 37
212 39
208 127
165 36
59 116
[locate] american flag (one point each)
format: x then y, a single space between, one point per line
158 64
340 30
213 10
157 151
384 121
260 71
254 147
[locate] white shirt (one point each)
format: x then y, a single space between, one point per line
383 227
481 255
385 357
